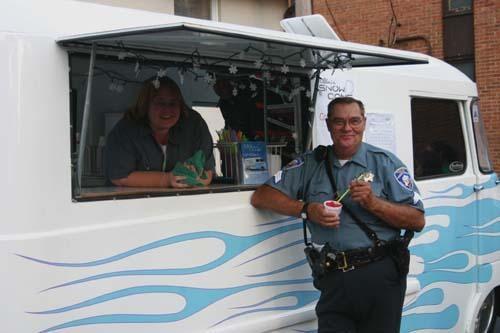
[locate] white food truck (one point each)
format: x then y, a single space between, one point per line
79 255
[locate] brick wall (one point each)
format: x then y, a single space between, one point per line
487 55
420 29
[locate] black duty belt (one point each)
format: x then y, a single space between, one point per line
350 259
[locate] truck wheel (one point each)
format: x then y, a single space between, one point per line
485 320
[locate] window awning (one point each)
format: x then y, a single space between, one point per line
219 44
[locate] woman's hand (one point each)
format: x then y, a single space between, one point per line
175 181
206 181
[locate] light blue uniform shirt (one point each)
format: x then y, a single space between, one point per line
306 178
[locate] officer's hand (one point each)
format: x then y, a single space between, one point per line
316 212
361 192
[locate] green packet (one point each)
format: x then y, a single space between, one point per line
182 169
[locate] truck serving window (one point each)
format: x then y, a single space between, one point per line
233 112
438 139
251 86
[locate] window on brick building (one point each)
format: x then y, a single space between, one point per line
438 145
458 35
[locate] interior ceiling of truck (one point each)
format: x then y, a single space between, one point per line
214 46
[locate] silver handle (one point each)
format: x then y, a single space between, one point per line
478 188
497 181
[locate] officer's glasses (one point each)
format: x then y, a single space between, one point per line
354 122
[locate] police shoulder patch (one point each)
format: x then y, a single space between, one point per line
403 178
294 163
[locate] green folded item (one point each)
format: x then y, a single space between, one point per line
182 169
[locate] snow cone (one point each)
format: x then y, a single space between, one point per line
333 206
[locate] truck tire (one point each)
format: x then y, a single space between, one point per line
486 316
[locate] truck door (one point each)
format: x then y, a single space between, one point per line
486 226
443 254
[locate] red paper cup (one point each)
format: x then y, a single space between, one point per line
333 206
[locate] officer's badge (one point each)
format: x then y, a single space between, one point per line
294 163
404 179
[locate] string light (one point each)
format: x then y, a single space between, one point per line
208 78
233 69
116 85
258 63
285 69
265 64
162 72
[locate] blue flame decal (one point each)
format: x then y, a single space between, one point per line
283 269
229 240
451 258
302 297
445 319
196 300
300 241
234 245
431 297
466 190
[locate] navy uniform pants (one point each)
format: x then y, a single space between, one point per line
368 299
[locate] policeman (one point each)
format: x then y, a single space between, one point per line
362 289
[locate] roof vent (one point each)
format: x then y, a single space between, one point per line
311 25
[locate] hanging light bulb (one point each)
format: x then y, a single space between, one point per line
122 55
137 69
181 75
112 85
196 65
156 83
119 87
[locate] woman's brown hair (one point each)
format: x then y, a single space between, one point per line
139 112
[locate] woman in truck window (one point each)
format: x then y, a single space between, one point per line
160 142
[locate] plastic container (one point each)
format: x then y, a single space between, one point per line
333 206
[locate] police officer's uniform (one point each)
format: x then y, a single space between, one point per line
366 298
